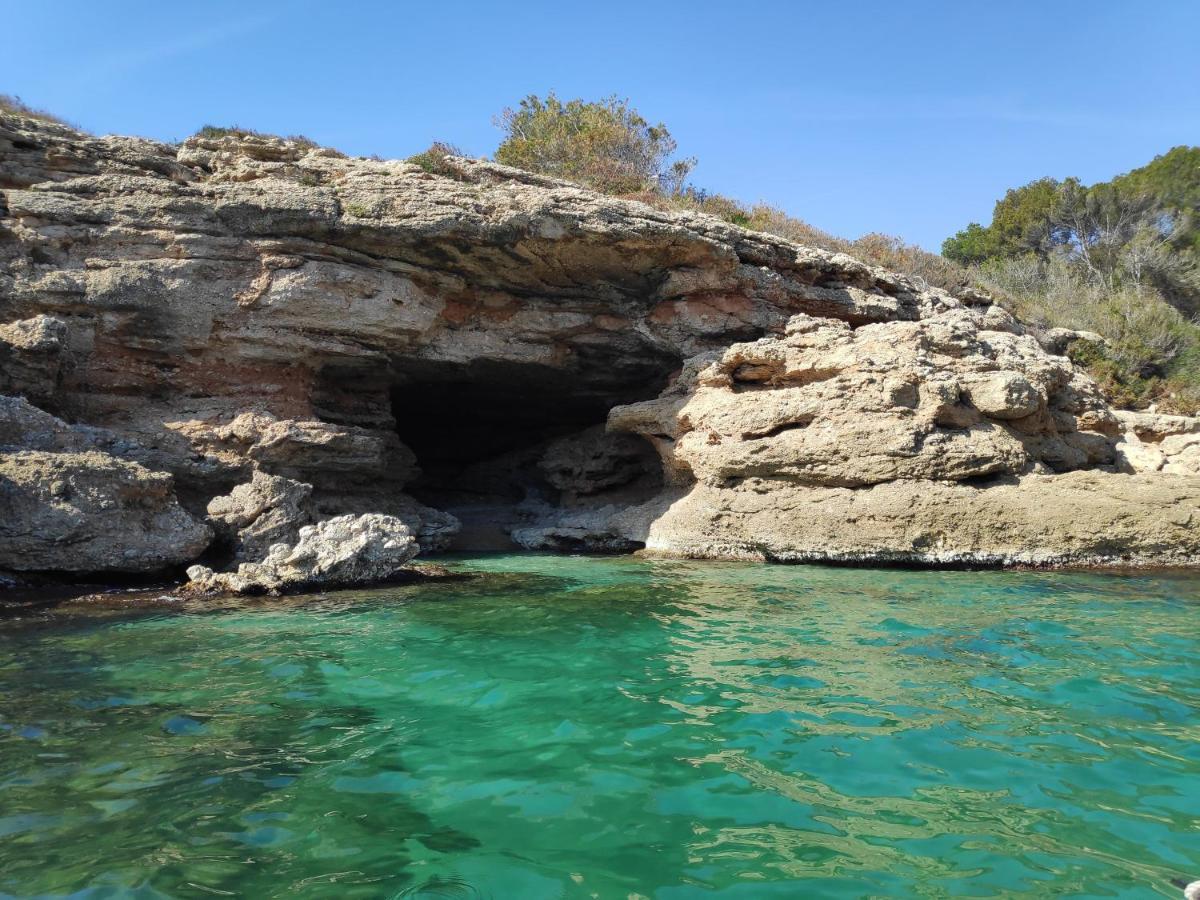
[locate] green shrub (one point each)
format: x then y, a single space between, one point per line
605 145
434 160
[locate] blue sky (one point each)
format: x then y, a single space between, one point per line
904 117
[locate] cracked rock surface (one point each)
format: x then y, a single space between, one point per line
268 336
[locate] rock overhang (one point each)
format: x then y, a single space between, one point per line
245 304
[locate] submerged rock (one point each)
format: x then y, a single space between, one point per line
343 551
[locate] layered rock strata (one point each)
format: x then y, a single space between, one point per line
220 344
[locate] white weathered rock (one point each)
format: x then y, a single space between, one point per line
347 550
933 441
265 511
1153 442
1003 395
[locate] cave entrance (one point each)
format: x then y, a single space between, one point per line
479 430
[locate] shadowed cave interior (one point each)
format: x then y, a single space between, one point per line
481 432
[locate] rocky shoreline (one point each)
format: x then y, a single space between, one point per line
281 368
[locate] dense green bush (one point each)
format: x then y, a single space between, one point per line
604 144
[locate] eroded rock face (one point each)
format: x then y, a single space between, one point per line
79 500
1077 518
826 405
593 461
939 441
244 317
346 550
31 357
264 511
90 512
1159 443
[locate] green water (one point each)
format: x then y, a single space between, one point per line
572 727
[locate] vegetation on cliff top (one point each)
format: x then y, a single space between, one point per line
220 131
1118 258
608 146
1121 258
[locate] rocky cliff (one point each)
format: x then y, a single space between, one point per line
208 348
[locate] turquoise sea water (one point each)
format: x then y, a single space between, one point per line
563 727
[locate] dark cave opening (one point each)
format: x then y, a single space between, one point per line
480 429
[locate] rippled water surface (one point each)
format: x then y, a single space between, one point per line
572 727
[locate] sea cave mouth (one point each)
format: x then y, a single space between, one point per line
480 431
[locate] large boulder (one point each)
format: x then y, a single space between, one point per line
347 550
90 512
1078 518
939 442
266 510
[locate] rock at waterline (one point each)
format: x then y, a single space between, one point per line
337 552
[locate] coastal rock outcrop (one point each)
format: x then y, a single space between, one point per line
345 550
76 500
281 336
264 511
940 441
89 512
31 356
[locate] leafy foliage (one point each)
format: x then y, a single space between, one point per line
604 144
1120 258
1174 180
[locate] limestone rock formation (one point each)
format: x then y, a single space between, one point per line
346 550
438 347
938 441
594 460
77 500
264 511
1077 518
90 512
31 356
1159 443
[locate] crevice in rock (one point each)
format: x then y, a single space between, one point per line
792 425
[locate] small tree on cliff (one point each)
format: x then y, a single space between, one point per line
604 144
